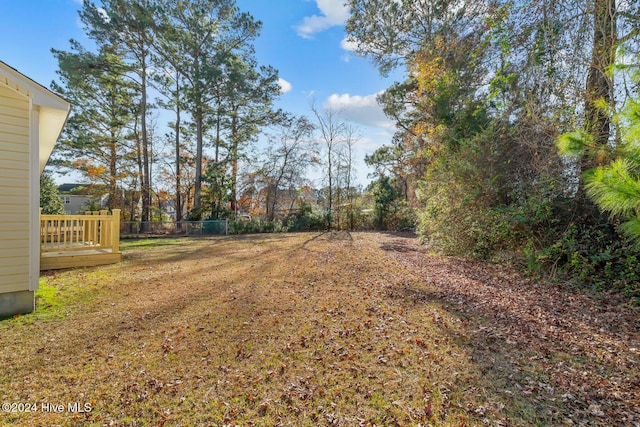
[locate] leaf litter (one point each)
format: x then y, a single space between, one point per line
321 329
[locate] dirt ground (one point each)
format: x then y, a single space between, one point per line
308 329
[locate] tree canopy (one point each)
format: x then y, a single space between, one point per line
491 88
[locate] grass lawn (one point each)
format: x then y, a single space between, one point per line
313 329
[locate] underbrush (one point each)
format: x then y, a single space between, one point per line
597 258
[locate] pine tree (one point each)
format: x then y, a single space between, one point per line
97 138
50 200
613 186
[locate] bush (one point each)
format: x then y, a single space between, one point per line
306 220
492 193
255 226
303 220
390 209
596 257
462 226
403 219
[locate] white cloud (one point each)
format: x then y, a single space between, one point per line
349 44
333 12
369 143
285 86
363 110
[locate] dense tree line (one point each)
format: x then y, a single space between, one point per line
192 59
493 90
194 63
517 125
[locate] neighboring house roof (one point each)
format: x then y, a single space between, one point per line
84 189
79 189
66 188
53 110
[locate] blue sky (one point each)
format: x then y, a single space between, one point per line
303 39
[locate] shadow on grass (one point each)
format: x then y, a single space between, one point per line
155 242
223 247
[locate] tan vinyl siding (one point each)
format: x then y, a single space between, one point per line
14 283
13 205
14 191
14 177
13 182
14 252
11 191
13 143
12 235
13 164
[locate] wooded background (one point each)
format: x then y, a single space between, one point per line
518 126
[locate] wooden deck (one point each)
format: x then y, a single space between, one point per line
70 241
86 258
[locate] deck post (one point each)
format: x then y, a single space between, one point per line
95 236
115 230
90 229
103 228
85 229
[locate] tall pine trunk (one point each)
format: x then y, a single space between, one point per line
146 183
198 175
178 165
598 91
234 160
199 118
114 197
599 85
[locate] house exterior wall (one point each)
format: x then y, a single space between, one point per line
16 290
74 204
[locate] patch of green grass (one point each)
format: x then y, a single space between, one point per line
61 292
48 301
48 305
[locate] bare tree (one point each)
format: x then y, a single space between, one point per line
332 133
287 158
347 169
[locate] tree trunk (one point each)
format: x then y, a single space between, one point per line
198 178
330 176
234 160
178 171
599 82
135 203
199 118
146 185
114 199
599 87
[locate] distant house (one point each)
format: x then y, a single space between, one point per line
31 119
167 208
288 201
78 198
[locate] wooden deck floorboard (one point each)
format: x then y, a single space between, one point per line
86 258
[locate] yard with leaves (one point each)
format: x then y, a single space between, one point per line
316 329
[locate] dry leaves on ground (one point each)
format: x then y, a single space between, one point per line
587 348
317 329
